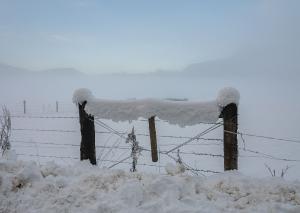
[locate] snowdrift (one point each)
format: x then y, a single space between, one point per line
27 187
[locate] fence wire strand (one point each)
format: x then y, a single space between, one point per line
122 135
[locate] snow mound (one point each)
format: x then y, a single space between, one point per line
82 95
85 188
227 96
172 169
182 113
10 155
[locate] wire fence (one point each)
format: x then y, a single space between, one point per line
114 151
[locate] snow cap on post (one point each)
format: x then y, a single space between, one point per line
227 96
82 95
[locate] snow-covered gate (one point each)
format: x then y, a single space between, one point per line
182 113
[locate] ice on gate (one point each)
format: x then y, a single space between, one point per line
182 113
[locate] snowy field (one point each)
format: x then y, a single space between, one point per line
26 187
43 134
47 144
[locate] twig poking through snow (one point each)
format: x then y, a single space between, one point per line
273 172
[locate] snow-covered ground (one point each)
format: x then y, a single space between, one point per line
271 111
26 187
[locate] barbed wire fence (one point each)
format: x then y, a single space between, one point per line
198 140
116 152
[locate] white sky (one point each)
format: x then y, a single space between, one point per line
141 36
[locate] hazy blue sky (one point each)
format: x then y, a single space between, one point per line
139 35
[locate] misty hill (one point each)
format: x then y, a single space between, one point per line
252 63
216 68
6 70
12 71
61 72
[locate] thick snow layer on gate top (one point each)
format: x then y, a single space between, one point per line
175 112
183 113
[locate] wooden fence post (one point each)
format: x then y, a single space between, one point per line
87 129
230 118
56 106
24 107
153 139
